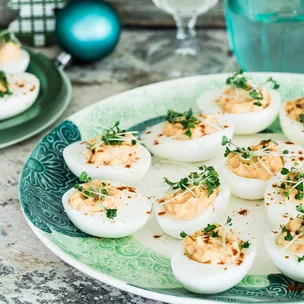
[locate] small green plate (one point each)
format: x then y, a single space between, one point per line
141 263
53 99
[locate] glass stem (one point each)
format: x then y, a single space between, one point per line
186 34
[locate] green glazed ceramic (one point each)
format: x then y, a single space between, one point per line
53 99
141 263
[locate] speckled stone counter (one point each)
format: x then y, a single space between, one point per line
29 272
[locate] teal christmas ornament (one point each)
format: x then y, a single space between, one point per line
89 30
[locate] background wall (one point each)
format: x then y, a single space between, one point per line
144 13
36 21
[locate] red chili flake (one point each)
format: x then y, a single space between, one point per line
157 236
243 212
131 189
121 188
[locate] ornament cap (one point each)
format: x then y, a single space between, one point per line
63 60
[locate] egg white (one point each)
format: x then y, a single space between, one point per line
209 279
76 161
293 130
244 123
131 216
22 98
245 188
288 266
278 210
174 227
252 188
191 150
17 66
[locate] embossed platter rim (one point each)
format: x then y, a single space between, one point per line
55 236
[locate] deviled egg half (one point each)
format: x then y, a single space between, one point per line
284 195
18 92
292 120
248 169
115 155
285 248
191 202
212 259
186 137
106 209
249 107
13 59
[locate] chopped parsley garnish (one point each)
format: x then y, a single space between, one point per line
238 80
257 96
97 193
186 119
300 208
283 227
214 234
301 116
288 236
207 178
183 234
274 82
245 245
284 171
4 83
209 228
300 259
111 213
229 221
84 177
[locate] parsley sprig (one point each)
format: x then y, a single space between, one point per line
113 136
239 80
207 178
294 180
301 117
96 193
5 84
186 119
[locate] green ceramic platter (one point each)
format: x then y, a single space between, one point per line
53 99
141 263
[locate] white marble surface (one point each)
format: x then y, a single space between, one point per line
29 272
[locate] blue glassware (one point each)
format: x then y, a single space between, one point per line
267 35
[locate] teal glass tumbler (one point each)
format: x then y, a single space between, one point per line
267 35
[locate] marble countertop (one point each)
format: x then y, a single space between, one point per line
29 272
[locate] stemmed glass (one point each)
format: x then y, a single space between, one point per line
185 55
